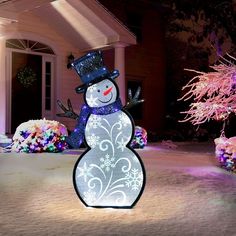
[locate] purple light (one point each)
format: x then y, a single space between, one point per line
234 77
24 134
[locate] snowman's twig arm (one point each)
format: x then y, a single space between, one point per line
68 112
133 101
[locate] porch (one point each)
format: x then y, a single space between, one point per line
66 27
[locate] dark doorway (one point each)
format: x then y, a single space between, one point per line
26 100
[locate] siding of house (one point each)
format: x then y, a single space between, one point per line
145 62
33 28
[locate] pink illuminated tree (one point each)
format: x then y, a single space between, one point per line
213 93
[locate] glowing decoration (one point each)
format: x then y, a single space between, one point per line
140 138
26 76
40 136
214 94
109 173
214 98
226 152
77 136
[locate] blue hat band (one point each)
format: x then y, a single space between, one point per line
100 72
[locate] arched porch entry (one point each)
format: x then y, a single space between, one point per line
30 81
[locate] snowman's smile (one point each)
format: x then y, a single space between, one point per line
108 100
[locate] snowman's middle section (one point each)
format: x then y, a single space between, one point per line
109 173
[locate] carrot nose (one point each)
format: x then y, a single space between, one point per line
106 92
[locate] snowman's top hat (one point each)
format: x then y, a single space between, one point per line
91 69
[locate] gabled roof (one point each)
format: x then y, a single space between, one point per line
84 23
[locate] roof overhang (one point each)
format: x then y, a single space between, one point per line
86 24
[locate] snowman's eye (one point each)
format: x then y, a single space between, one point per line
107 86
98 90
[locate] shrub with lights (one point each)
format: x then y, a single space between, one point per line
214 97
40 136
140 138
226 152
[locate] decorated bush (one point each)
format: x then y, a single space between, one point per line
40 136
226 152
140 138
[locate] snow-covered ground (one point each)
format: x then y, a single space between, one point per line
185 194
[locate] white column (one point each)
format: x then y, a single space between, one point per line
3 86
120 65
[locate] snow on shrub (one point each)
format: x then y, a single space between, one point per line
226 152
40 136
140 138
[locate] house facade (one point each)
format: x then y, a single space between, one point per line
145 63
38 37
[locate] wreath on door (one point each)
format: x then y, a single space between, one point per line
26 76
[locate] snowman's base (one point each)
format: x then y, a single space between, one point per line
110 207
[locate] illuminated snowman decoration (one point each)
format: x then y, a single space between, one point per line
109 173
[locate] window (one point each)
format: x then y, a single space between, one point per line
28 45
134 22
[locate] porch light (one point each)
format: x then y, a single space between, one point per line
70 59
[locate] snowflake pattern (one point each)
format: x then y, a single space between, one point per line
107 162
90 197
134 179
92 140
124 119
94 121
92 88
85 172
92 101
114 170
121 144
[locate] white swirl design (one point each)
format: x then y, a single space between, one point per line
92 184
105 147
124 168
119 201
110 172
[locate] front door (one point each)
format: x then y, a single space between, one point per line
26 97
